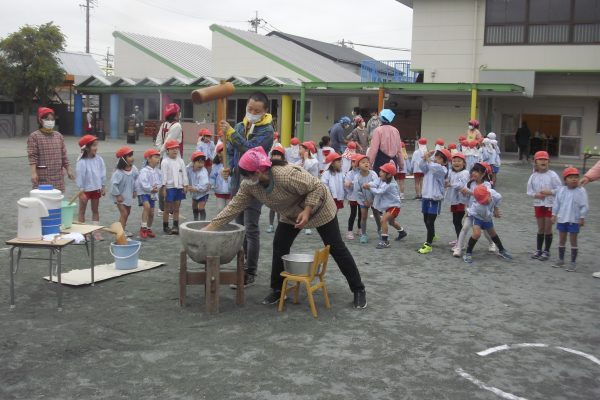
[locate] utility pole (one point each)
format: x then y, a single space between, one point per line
255 23
88 5
108 68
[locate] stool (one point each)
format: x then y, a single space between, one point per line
211 278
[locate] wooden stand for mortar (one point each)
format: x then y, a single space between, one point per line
211 278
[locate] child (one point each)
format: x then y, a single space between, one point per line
207 146
364 197
175 181
479 175
460 147
401 175
148 185
387 201
199 184
495 166
333 178
122 185
351 196
310 164
458 177
416 159
277 154
90 178
569 212
292 153
542 186
347 157
433 191
489 155
472 154
481 212
219 184
324 151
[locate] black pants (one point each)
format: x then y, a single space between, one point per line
353 213
457 218
330 234
429 220
523 151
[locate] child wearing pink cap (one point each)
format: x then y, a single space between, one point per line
365 197
334 179
347 157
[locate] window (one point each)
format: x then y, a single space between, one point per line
307 108
7 107
520 22
187 109
153 112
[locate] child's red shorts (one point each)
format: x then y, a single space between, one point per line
353 203
543 212
223 196
400 176
418 174
93 195
455 208
339 203
393 211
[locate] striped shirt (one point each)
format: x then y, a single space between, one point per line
291 189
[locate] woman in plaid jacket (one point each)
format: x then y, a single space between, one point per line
302 201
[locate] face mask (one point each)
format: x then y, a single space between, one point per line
48 124
253 118
252 181
471 127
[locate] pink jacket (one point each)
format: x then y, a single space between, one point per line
594 172
387 139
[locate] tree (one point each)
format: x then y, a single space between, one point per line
29 65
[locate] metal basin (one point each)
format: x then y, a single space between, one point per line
223 243
298 264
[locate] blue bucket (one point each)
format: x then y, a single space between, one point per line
126 255
51 223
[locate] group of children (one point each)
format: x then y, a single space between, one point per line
169 177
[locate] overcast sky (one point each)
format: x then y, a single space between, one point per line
373 22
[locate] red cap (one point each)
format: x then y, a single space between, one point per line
352 145
295 141
123 151
459 155
446 153
481 194
357 157
422 141
440 142
358 119
171 109
488 168
332 157
279 148
197 154
541 155
171 143
389 167
570 171
87 139
472 143
451 146
150 153
219 148
464 143
474 122
310 146
461 138
204 132
43 111
326 152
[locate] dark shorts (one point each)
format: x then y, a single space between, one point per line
400 176
142 198
429 206
543 212
567 227
456 208
93 195
393 211
495 169
202 199
418 174
339 203
174 194
485 225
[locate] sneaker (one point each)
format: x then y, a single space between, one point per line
270 229
544 256
363 239
492 248
382 245
142 233
272 298
128 234
425 249
558 264
350 235
159 213
360 299
452 243
167 230
536 255
401 234
174 231
308 231
149 233
572 267
596 274
468 258
248 281
505 254
98 236
456 252
401 196
435 238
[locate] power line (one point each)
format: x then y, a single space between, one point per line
255 22
348 43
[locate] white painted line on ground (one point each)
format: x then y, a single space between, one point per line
530 345
481 385
492 350
580 353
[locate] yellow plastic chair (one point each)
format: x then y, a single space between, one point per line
317 270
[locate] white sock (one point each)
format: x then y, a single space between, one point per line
144 225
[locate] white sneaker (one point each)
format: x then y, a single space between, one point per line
401 196
159 213
350 235
596 274
456 252
492 248
270 229
452 243
308 231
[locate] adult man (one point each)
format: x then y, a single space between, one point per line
139 122
255 130
522 138
337 133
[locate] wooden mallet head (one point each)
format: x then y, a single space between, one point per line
215 92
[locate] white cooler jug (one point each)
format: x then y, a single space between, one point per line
52 200
29 225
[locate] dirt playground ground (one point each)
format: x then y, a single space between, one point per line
428 318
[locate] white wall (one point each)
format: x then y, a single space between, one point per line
130 62
444 118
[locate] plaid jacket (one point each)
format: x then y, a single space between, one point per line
291 189
49 154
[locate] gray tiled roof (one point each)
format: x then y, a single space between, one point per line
309 61
329 50
81 65
193 58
